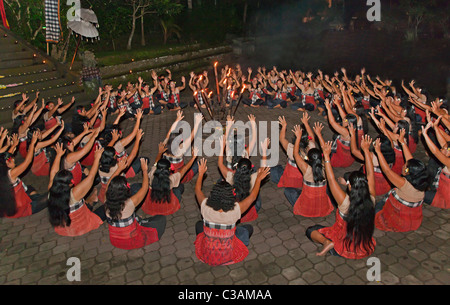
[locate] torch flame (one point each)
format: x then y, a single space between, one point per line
209 95
215 64
243 89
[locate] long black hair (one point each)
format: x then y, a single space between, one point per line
386 149
108 159
221 197
417 174
241 179
361 113
315 161
117 194
161 191
59 199
8 205
360 217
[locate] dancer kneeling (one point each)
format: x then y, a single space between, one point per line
219 241
351 236
126 230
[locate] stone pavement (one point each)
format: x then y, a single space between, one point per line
280 253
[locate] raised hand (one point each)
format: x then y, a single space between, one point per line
202 168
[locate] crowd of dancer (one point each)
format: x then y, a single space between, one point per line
89 167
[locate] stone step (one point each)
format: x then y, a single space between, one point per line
18 63
26 54
35 69
36 78
33 86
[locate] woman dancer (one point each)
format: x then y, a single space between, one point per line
351 236
219 241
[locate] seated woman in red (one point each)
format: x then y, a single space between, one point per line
72 157
312 200
351 236
401 209
19 200
41 161
341 154
291 176
53 112
219 241
164 194
126 230
68 211
438 196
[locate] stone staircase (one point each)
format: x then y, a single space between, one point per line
25 69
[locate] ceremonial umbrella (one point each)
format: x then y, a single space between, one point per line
84 26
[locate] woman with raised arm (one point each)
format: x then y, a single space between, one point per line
42 155
235 147
126 230
400 210
109 164
351 236
438 196
382 185
149 105
71 159
26 199
243 178
219 240
312 199
341 152
121 143
68 211
175 102
53 112
175 155
164 194
291 176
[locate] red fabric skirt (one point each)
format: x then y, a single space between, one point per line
249 215
366 104
40 165
342 157
218 247
23 202
133 236
88 159
23 149
310 100
442 197
382 185
160 208
77 173
412 145
188 176
82 222
50 123
102 192
398 217
313 202
337 233
399 161
145 103
292 177
422 114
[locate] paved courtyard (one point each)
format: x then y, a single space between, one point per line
280 254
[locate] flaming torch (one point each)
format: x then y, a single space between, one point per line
217 82
239 99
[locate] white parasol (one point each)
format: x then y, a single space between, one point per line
84 26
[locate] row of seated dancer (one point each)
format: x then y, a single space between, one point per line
88 167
